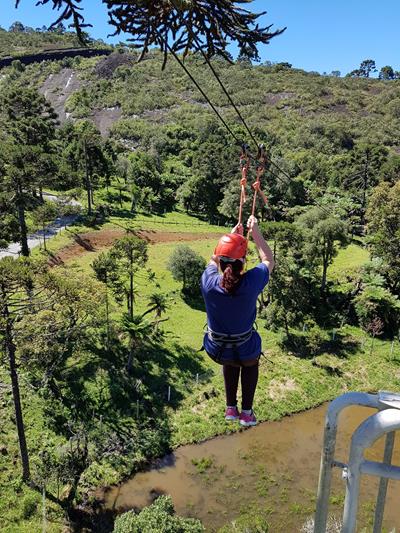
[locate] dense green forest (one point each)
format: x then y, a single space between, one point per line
100 326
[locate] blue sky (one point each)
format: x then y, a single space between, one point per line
320 35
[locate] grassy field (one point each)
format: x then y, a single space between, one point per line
347 261
288 382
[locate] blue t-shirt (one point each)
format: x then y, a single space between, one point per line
233 313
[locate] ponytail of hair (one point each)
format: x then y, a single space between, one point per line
231 277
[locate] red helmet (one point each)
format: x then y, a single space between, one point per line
231 245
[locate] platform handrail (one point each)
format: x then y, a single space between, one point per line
383 402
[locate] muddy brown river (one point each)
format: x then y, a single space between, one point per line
272 467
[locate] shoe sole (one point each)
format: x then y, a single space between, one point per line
231 418
247 424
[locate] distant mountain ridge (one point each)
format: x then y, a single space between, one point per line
30 45
54 55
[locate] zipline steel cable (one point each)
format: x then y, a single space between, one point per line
226 92
200 89
176 57
199 48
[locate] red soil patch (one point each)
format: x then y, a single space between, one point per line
96 240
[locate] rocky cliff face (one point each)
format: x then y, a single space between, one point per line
59 87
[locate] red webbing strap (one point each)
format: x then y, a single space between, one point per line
261 157
244 166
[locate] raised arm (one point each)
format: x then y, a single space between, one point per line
264 251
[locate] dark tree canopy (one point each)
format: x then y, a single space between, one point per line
366 67
183 24
386 73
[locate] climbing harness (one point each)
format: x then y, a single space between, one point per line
226 341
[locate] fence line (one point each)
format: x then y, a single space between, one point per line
174 223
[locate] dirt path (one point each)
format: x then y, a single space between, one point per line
96 240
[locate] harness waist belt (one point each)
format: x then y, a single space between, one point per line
229 340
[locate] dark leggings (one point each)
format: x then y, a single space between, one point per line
249 378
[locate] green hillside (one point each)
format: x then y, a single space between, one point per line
322 133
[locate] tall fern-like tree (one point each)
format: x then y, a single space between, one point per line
158 304
129 255
14 278
84 153
324 235
180 24
28 123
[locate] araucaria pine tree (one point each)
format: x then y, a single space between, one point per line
27 125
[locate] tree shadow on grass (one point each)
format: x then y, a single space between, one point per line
191 365
300 345
329 366
126 415
194 301
167 371
99 386
120 212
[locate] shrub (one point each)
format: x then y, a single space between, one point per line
307 343
316 339
378 303
158 517
29 505
187 266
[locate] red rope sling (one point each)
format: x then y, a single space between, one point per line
260 170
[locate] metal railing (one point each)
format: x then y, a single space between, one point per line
385 422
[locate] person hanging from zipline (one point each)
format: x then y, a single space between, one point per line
230 300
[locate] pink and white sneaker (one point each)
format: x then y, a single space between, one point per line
247 420
231 413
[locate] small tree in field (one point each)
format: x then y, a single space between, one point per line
325 234
378 303
375 328
129 255
187 266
